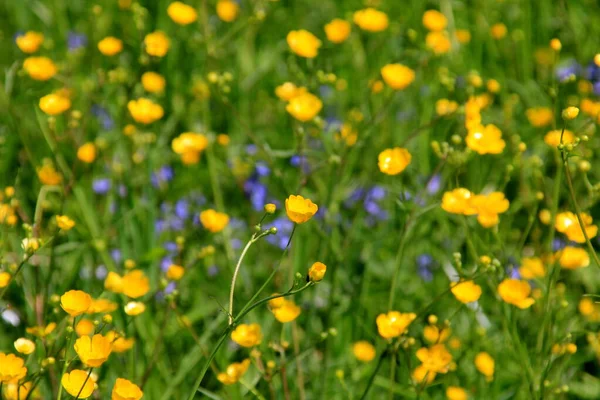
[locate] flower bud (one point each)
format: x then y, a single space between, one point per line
570 113
270 208
316 272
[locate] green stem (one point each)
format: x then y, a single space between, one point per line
374 374
235 275
66 363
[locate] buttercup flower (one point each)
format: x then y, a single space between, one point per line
304 107
299 209
445 107
397 76
4 279
12 368
234 372
394 323
93 351
24 346
394 161
135 284
87 152
434 20
435 359
175 272
347 134
570 113
40 68
181 13
213 220
531 268
114 282
287 91
516 292
459 201
54 104
317 271
456 393
303 43
573 258
189 145
30 42
84 327
363 351
247 335
76 383
126 390
157 44
463 36
485 364
466 291
433 334
119 343
153 82
337 30
498 31
567 223
488 207
438 42
19 391
144 110
371 20
65 223
552 138
110 46
134 308
485 139
75 302
41 331
227 10
540 116
287 311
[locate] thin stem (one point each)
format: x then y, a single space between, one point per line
235 275
373 374
66 363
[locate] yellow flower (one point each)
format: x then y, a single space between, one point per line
214 221
119 343
135 284
435 359
16 391
371 20
110 46
397 76
223 139
126 390
189 145
41 331
12 368
287 91
181 13
102 306
54 104
456 393
458 201
498 31
87 153
175 272
445 107
317 271
84 327
516 292
234 372
114 282
573 258
153 82
93 351
485 364
493 86
394 323
433 334
540 116
48 175
145 110
227 10
363 351
567 223
347 134
488 207
157 44
438 42
24 346
75 302
40 68
394 161
531 268
30 42
304 106
485 139
299 209
76 383
65 223
463 36
270 208
134 308
337 30
466 291
247 335
552 138
434 20
287 311
303 43
4 279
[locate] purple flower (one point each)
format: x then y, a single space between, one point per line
558 244
76 40
284 230
213 270
170 246
251 149
101 186
262 169
116 255
162 176
165 263
435 184
566 70
182 209
103 117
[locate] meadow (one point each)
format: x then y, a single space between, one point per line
299 199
